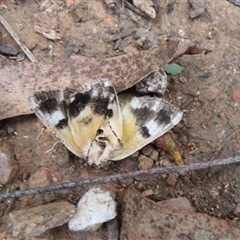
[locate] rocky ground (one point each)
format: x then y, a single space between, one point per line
208 91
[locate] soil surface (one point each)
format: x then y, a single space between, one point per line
208 91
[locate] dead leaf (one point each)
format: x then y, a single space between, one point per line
124 71
144 219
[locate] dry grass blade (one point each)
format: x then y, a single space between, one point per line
17 39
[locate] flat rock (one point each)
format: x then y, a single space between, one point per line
9 167
35 221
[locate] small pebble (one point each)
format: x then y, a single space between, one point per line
180 192
237 209
8 50
140 186
130 49
235 95
183 79
147 150
144 162
223 116
10 131
181 32
40 178
211 93
129 164
172 179
165 163
154 155
147 193
136 154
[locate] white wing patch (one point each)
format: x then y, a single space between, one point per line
98 125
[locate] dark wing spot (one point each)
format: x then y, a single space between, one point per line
99 131
40 97
87 120
143 114
109 113
145 132
50 105
100 105
62 124
164 116
79 103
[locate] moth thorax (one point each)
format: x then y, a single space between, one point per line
104 140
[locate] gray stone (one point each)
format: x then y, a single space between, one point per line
154 155
135 154
147 150
8 164
237 209
35 221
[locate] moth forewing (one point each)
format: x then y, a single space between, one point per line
77 116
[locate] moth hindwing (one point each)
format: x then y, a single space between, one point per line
98 125
144 118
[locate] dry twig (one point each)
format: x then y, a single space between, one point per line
134 9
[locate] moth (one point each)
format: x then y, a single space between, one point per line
98 125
